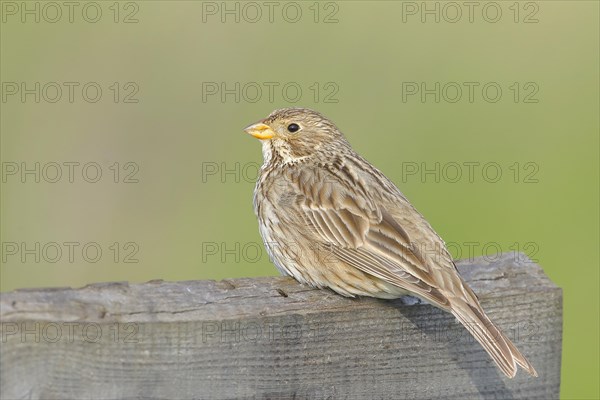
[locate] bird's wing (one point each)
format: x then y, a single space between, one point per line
363 233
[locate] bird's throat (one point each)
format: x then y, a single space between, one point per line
279 152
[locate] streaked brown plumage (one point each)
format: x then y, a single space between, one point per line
330 219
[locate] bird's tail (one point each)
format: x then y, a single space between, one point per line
498 346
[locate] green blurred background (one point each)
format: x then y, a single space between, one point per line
189 215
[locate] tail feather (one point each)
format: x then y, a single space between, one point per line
520 359
498 346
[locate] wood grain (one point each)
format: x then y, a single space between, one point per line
273 338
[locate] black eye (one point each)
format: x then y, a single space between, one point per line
293 128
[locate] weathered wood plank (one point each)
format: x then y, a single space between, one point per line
273 338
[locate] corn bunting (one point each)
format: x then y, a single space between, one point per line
316 195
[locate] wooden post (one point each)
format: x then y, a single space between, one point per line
274 338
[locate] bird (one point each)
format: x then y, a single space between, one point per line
330 219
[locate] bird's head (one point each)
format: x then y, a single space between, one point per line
295 134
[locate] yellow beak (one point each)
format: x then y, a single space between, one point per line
260 131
